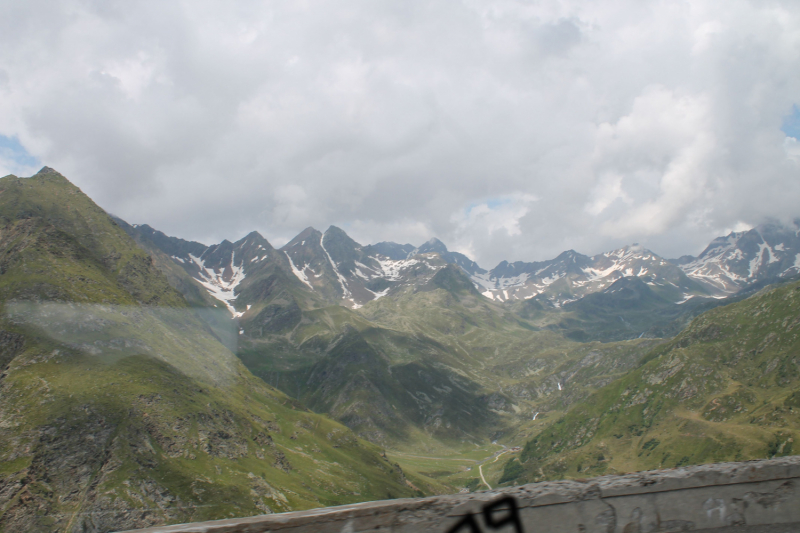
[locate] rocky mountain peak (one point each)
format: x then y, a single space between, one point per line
739 258
433 245
48 170
303 238
335 239
253 237
335 232
452 279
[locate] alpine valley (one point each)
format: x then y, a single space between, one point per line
147 379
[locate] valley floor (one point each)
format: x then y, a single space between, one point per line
466 470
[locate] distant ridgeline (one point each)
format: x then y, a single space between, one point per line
339 270
147 379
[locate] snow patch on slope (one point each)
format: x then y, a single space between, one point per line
301 275
342 279
392 270
216 284
380 294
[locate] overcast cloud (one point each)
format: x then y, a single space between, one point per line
510 130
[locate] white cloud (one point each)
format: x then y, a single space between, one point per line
654 122
607 191
792 147
495 215
659 158
491 221
133 75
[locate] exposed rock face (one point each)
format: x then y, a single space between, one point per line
65 486
10 345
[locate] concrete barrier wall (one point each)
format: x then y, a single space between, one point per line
753 497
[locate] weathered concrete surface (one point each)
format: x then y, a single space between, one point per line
749 497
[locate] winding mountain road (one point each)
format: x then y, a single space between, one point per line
496 456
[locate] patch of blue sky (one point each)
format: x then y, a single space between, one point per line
12 151
791 123
491 203
494 203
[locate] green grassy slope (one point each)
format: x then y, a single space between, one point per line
435 370
726 388
514 369
391 384
387 385
49 224
630 308
115 414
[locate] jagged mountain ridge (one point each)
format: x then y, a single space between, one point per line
219 268
286 305
571 276
331 265
730 263
405 369
340 270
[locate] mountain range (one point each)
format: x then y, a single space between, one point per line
297 307
148 379
280 296
341 270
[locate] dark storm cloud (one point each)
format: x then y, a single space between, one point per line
508 130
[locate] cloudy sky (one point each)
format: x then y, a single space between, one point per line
508 129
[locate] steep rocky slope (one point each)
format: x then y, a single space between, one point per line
153 242
584 297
